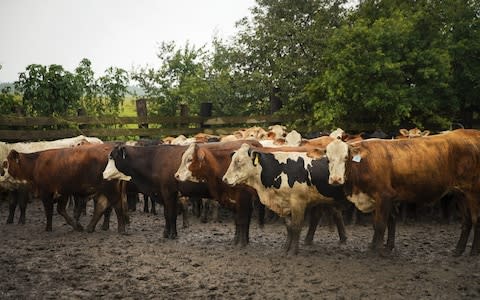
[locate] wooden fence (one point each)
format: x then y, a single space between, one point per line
13 128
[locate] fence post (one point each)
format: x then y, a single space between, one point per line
205 111
81 112
183 113
275 101
141 105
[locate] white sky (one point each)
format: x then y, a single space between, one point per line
119 33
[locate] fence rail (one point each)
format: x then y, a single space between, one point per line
14 128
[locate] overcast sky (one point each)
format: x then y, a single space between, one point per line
119 33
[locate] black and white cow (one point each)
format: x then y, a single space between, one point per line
287 183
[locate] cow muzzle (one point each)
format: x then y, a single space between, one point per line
335 180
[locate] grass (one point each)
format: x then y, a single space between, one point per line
129 108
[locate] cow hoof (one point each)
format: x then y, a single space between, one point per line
79 228
105 227
457 252
308 242
9 221
474 253
89 230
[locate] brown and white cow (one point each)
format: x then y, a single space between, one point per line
288 183
378 173
208 163
59 173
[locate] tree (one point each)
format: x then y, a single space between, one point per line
113 88
8 101
462 24
282 46
180 79
49 90
388 67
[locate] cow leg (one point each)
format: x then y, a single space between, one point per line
466 224
462 241
106 218
288 241
476 239
48 206
381 216
100 206
79 204
152 202
243 216
146 198
132 199
314 218
261 212
391 224
12 205
205 210
119 211
183 201
338 219
295 224
195 206
62 210
215 206
23 196
170 213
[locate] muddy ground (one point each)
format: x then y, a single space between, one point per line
201 263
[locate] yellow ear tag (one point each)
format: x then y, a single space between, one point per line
255 162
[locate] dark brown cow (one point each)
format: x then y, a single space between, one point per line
152 169
378 173
57 174
208 163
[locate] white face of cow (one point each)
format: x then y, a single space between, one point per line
111 172
183 173
241 167
337 154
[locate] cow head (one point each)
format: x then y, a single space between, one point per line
117 154
243 165
13 166
337 153
192 159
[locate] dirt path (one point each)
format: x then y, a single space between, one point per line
201 263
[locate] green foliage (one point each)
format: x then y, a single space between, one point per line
282 46
55 91
8 101
390 66
180 79
48 90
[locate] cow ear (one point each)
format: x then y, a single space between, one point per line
123 152
354 150
200 155
14 156
404 132
425 132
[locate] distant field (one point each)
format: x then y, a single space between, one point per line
129 109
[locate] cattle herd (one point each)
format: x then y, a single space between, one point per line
293 177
